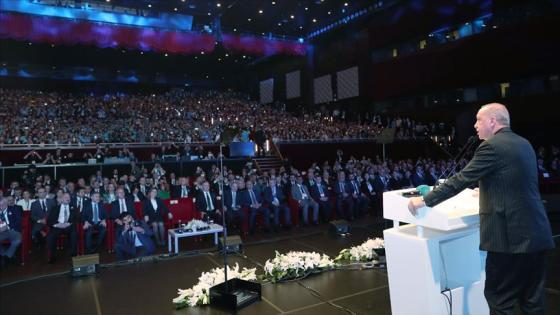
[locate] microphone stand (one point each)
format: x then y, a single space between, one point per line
224 242
466 148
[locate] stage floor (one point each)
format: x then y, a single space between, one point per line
149 287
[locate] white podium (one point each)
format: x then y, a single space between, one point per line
437 250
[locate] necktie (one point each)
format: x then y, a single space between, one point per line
65 215
233 195
341 187
303 194
252 196
184 192
95 214
43 205
320 190
208 202
122 206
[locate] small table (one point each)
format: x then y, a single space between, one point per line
171 234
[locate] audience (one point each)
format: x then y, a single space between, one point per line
35 117
10 229
351 187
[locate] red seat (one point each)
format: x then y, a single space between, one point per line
25 245
294 208
139 211
181 209
110 231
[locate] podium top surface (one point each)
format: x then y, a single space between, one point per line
458 212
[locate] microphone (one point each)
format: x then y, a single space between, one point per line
466 148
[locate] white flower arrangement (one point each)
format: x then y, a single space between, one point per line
295 265
199 294
361 253
196 225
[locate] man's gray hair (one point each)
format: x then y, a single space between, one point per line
499 111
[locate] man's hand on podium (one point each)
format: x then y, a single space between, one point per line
415 203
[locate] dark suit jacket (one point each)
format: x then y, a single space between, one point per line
176 192
417 180
74 201
159 215
87 212
365 189
314 191
37 213
228 198
15 216
143 237
338 192
512 215
247 197
201 201
55 211
279 194
116 208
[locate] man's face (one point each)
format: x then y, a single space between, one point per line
42 193
65 199
120 193
206 186
127 219
484 124
95 198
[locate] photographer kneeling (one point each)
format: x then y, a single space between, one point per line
134 241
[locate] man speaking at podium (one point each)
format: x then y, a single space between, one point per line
514 228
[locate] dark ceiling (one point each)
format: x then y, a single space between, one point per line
290 18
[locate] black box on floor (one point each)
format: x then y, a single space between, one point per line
87 265
233 244
235 294
339 227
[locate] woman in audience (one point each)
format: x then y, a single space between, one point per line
155 212
110 195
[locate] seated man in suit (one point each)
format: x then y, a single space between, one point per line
233 201
301 194
274 196
121 206
143 188
368 190
62 219
93 217
182 190
344 201
10 229
208 204
134 239
320 193
39 210
80 199
361 202
419 177
253 200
